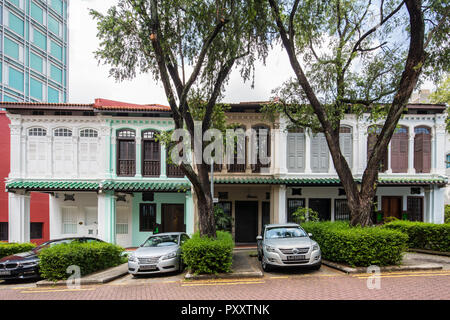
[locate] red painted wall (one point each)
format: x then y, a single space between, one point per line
39 203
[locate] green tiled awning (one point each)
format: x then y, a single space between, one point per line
326 181
53 185
146 186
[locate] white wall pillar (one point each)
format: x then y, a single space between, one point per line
280 151
438 204
189 213
16 149
308 151
55 217
389 170
139 156
19 218
439 152
331 169
355 152
282 215
362 149
411 169
106 212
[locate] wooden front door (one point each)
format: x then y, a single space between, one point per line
391 207
246 221
173 218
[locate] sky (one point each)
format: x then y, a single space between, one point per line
88 80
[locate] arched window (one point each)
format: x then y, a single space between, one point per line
373 133
88 133
422 149
37 132
62 132
151 154
399 150
346 144
126 152
296 150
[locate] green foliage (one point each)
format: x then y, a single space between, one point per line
7 249
423 235
90 257
390 219
358 246
447 213
302 215
208 255
223 221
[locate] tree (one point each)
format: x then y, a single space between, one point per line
358 56
170 38
442 95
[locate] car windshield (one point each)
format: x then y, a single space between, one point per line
285 232
161 241
52 243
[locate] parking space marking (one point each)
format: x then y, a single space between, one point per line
56 290
406 274
222 283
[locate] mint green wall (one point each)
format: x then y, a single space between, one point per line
139 237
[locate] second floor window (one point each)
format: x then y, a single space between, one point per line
373 133
126 152
296 150
399 150
151 155
422 150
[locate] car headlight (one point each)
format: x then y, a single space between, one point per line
132 258
270 249
316 247
171 255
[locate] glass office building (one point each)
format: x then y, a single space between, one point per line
34 50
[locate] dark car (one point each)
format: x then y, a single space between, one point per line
25 265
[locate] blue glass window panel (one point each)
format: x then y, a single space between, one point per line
37 13
11 48
448 161
16 3
57 5
40 40
16 79
36 62
56 73
56 50
16 24
53 25
53 95
9 99
36 89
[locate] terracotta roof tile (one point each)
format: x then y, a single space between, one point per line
105 104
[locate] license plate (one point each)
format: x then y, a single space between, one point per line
5 273
148 267
296 257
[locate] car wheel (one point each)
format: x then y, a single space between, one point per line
316 267
264 265
135 276
181 266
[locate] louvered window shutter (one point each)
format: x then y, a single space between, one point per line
324 156
300 148
291 151
315 150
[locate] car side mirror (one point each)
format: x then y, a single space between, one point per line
259 238
310 235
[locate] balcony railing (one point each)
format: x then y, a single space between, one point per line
126 168
174 171
236 167
151 168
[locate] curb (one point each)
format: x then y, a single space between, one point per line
351 270
91 278
233 275
436 253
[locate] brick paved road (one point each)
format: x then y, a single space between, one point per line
429 285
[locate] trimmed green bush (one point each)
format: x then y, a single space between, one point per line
429 236
208 255
447 213
357 246
7 249
90 257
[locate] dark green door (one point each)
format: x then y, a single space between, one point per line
246 221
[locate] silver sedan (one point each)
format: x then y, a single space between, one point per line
287 245
159 253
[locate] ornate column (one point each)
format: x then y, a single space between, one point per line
75 148
412 134
308 151
389 170
138 156
16 149
19 217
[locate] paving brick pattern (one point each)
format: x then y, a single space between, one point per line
394 286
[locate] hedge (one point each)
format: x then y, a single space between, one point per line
90 257
423 235
358 246
208 255
7 249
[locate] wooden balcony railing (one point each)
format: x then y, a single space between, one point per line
174 171
126 168
151 168
236 167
